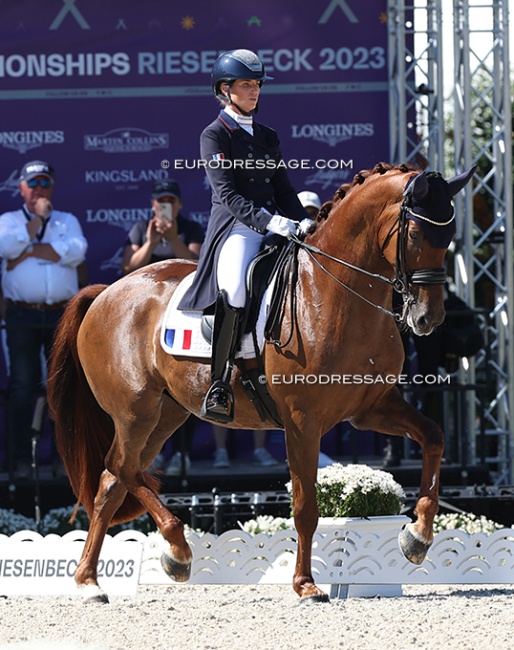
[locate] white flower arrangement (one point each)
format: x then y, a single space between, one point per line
266 524
465 521
342 491
356 491
11 522
57 521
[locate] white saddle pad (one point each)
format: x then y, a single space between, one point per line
181 335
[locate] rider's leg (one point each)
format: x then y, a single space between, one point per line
236 254
219 401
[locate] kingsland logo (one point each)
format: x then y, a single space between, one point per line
332 134
23 141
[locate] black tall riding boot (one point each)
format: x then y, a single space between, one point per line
218 404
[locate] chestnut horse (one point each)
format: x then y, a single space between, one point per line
116 395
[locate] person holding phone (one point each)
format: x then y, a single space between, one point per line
166 235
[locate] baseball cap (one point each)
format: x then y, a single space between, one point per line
167 187
36 168
309 199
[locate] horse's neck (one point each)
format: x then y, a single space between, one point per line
352 238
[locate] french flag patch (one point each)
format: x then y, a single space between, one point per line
218 156
179 338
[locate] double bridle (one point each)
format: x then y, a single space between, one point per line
402 279
401 282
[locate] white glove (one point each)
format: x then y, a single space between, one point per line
304 225
282 226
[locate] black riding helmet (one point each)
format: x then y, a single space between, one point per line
236 64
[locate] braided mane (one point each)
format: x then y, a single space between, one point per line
359 179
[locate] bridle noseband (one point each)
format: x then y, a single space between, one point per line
403 279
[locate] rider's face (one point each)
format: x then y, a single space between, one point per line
245 93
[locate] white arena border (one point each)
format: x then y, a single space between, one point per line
338 558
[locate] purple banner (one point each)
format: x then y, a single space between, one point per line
115 95
111 93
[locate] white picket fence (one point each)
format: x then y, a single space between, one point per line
236 557
342 557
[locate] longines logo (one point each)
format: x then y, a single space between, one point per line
23 141
121 217
126 140
332 134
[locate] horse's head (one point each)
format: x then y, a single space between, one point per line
426 228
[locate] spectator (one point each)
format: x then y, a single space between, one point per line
164 236
311 202
41 250
261 455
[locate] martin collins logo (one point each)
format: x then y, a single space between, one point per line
126 140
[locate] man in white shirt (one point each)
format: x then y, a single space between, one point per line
41 249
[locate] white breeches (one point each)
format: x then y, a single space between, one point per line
241 246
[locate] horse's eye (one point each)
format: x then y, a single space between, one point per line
414 235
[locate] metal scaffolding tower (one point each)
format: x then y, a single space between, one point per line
483 256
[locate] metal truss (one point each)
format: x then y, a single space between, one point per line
483 254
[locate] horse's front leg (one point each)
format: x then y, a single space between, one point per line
302 454
392 415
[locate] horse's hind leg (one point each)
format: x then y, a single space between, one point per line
176 561
110 496
394 416
132 449
126 459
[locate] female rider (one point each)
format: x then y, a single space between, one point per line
251 193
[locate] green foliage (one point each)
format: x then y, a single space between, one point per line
358 504
356 491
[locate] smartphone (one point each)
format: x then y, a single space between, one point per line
163 211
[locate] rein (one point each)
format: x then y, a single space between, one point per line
313 250
400 282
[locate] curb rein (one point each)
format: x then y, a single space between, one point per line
400 283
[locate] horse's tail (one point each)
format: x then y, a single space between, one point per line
84 432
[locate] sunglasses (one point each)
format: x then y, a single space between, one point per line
44 183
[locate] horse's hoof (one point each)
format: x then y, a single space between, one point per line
317 598
413 546
93 594
175 570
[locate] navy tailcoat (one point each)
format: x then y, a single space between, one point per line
245 177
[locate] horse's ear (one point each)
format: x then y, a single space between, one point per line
460 181
419 187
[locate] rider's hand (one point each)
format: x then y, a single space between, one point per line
304 225
282 226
